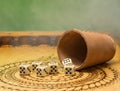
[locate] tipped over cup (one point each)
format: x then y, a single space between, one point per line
85 48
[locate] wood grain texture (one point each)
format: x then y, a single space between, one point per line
97 78
101 77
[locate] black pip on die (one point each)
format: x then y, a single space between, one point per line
66 61
35 64
42 70
53 67
25 69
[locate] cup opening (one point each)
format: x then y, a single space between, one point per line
72 45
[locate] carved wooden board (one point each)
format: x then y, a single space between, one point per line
100 77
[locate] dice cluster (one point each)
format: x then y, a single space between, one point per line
43 70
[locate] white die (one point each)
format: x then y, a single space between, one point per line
69 69
53 67
25 69
42 70
66 61
35 64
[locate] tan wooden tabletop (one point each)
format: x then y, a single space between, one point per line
98 78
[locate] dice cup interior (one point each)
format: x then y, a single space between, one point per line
85 48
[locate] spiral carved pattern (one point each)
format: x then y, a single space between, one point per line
93 77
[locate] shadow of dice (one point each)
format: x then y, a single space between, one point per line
25 69
69 69
66 61
42 70
35 64
53 67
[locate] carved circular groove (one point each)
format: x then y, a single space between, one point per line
82 80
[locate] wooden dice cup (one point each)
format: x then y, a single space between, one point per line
85 48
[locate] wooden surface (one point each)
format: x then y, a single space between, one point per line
20 33
97 78
101 77
29 38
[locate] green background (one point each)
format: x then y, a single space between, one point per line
60 15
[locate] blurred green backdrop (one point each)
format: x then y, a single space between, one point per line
60 15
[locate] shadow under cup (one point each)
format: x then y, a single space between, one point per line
85 48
